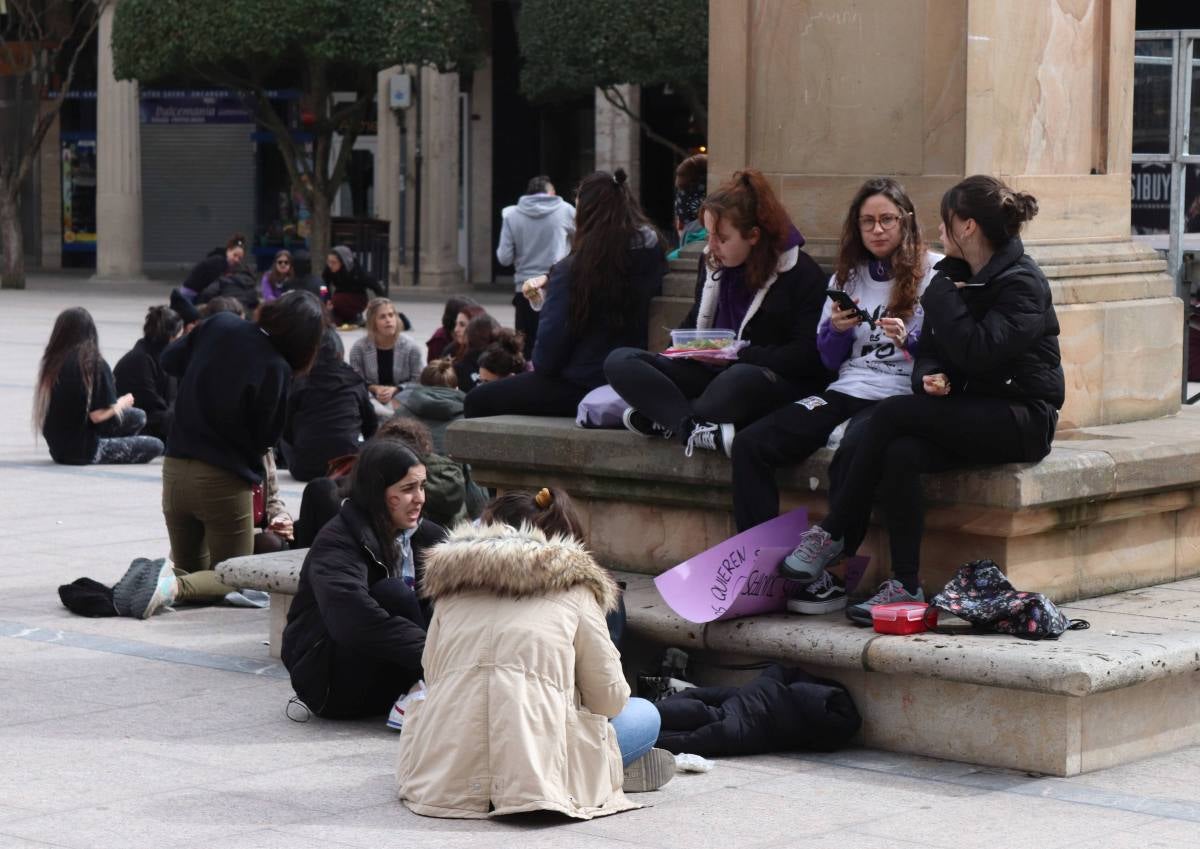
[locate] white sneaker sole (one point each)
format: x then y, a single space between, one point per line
649 772
164 591
816 608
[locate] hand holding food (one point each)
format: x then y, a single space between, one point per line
894 329
936 384
532 290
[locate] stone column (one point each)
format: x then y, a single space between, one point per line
50 197
387 173
619 137
118 166
481 239
440 193
820 95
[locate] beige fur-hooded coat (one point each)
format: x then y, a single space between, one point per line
522 679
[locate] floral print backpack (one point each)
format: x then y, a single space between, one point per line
980 594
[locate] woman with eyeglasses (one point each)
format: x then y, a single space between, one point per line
883 266
280 278
987 386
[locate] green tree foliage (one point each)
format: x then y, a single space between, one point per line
317 46
570 48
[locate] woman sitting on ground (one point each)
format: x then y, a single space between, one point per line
597 300
987 386
75 403
385 358
327 411
480 332
503 358
451 496
754 280
348 284
441 343
140 374
279 279
436 402
883 267
218 263
356 630
546 728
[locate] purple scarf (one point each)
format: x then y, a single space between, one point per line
734 296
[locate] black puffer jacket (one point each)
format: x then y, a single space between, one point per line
140 374
238 283
996 336
333 606
782 328
781 710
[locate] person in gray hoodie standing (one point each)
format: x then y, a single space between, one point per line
536 233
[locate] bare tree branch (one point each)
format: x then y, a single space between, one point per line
613 95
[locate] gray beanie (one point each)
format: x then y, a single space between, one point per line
345 255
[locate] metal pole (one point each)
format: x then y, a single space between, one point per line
402 214
419 159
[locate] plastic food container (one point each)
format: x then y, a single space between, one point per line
902 617
700 340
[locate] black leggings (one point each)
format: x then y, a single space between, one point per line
120 443
527 394
783 438
675 393
905 437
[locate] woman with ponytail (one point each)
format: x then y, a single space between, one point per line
597 299
987 387
754 280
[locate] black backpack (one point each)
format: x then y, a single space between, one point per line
980 594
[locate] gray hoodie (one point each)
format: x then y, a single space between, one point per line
536 234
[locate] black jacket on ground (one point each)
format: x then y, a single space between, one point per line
579 358
333 606
996 336
233 391
327 410
141 374
68 429
781 710
783 331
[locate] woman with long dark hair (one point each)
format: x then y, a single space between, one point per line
75 403
140 374
597 300
480 333
356 629
753 279
234 379
441 343
987 386
883 267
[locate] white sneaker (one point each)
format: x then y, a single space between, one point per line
396 716
649 772
711 437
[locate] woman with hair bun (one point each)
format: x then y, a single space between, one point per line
140 374
503 358
987 386
753 279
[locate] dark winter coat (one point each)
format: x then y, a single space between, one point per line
996 336
207 270
352 280
781 710
333 606
781 324
327 410
141 374
579 358
237 283
233 391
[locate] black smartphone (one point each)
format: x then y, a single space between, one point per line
845 302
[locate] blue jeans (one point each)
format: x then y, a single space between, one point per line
636 727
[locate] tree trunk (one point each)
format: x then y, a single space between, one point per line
319 241
12 243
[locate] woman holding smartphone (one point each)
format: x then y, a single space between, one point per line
867 333
988 385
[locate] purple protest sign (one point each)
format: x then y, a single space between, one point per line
738 577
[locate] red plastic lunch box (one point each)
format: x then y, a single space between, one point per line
903 617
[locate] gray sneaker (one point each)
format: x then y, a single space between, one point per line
817 549
649 772
889 591
146 586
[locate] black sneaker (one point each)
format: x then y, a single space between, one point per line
824 595
642 424
711 437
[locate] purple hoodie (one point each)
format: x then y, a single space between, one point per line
834 347
734 296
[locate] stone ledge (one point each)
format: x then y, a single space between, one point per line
277 572
1085 465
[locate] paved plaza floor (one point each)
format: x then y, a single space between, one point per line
172 732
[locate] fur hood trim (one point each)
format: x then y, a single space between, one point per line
513 563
